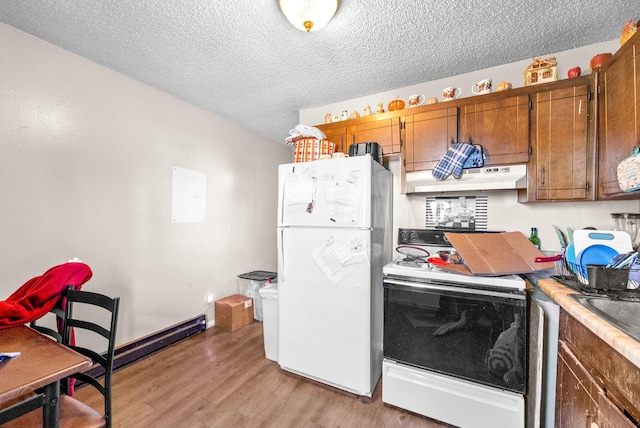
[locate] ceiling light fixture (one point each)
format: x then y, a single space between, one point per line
308 15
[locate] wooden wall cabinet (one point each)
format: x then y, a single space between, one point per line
595 384
562 143
619 116
428 135
500 125
384 129
336 132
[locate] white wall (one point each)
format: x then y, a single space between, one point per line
505 213
513 73
86 158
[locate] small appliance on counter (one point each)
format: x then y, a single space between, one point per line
359 149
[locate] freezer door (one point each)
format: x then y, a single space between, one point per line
325 308
332 193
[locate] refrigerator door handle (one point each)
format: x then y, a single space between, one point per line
281 271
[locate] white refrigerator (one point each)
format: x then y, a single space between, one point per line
334 237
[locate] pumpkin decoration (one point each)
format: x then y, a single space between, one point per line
628 31
396 104
598 61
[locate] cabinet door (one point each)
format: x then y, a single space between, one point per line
427 137
560 167
501 127
619 92
575 406
609 416
384 131
337 133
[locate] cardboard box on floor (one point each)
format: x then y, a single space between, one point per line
234 312
491 254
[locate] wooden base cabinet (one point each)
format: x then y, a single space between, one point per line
562 148
596 386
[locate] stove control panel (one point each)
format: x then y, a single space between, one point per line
426 237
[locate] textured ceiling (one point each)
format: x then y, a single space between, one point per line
242 59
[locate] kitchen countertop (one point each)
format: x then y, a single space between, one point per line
621 342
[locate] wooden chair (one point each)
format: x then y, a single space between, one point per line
58 313
80 306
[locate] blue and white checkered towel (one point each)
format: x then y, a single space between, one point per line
453 161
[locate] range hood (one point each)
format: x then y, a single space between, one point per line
485 178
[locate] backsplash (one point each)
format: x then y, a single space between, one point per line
504 212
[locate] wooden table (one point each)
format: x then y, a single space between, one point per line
42 364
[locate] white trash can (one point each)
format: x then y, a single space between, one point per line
250 285
269 295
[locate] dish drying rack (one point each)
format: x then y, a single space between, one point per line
576 276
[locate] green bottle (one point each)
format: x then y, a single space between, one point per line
535 240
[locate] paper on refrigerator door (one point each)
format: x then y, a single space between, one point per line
337 260
301 185
343 197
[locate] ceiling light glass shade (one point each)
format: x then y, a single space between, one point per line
309 15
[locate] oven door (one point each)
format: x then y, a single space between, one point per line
469 333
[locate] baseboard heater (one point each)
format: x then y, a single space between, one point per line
138 349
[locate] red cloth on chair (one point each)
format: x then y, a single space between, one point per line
38 296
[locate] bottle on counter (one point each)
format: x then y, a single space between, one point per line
535 240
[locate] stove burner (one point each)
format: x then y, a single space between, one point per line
416 260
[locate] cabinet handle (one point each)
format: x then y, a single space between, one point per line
542 176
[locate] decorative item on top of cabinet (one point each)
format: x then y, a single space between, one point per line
629 30
618 83
380 109
562 148
541 71
503 86
396 104
599 60
574 72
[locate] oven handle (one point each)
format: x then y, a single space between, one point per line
463 290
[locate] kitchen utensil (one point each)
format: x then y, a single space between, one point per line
627 261
561 237
619 241
618 259
437 261
595 255
569 235
412 252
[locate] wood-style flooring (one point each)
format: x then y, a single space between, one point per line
222 379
